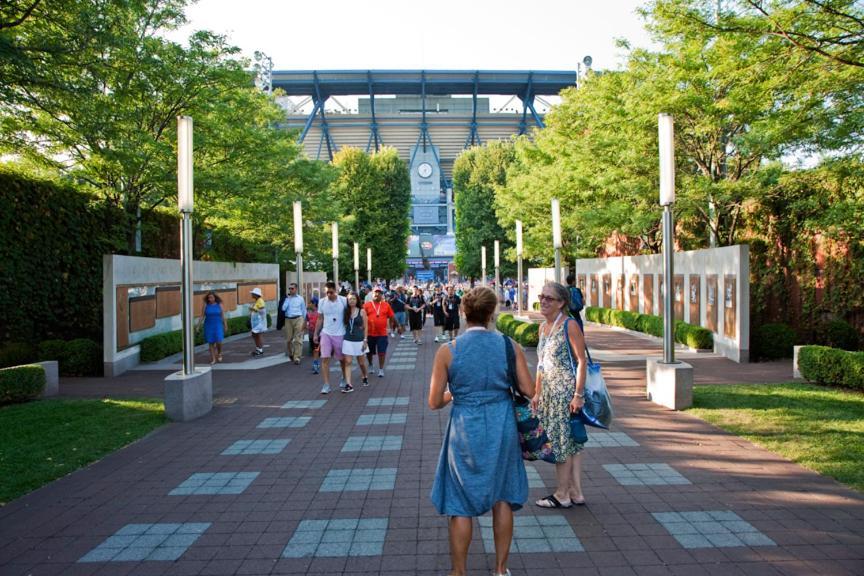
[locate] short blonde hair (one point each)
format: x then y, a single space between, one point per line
479 305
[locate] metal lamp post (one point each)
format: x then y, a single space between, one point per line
483 265
519 266
356 268
556 237
497 259
666 132
335 250
185 203
298 243
369 264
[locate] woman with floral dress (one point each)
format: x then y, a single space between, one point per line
558 394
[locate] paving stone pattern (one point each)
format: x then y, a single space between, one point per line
137 542
340 487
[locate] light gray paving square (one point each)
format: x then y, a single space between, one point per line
247 447
152 542
401 366
210 483
338 537
645 474
534 479
604 439
388 401
359 480
711 529
304 404
380 419
285 422
372 443
534 535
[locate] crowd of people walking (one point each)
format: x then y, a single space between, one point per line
480 466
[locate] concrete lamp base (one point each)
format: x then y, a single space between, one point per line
189 397
670 385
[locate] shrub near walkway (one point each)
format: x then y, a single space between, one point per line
817 427
44 440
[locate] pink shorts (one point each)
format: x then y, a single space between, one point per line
331 346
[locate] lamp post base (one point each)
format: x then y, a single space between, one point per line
188 397
670 385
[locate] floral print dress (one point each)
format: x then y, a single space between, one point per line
557 389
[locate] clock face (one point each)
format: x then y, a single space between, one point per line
424 170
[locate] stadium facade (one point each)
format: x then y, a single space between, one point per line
430 117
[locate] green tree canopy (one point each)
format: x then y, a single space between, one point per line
477 173
374 192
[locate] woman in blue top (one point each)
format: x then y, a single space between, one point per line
480 466
215 325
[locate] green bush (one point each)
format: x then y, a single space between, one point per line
838 334
527 334
536 306
652 325
21 383
775 341
694 336
832 366
16 354
79 357
160 346
504 323
687 334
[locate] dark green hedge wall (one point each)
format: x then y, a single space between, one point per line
52 238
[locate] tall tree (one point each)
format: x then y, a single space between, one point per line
375 195
477 173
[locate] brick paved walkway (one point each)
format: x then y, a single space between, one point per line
280 479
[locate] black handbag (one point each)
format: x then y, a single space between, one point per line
533 439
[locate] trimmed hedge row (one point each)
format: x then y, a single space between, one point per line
159 346
687 334
832 366
78 357
774 341
21 383
525 333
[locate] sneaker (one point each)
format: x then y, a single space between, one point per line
347 389
296 361
325 389
258 352
365 381
342 383
401 336
316 366
436 338
392 334
380 373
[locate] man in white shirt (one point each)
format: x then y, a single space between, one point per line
294 308
329 331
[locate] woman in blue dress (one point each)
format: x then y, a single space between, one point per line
480 467
215 325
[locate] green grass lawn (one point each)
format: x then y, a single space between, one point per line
820 428
43 440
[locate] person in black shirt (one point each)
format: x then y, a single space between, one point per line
452 305
416 306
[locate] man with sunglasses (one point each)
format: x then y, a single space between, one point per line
294 309
329 332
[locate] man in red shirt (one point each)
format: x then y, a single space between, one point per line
379 315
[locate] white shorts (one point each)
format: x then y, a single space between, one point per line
352 348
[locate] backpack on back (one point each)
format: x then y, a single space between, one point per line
577 301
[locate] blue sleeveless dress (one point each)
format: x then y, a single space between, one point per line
480 462
213 329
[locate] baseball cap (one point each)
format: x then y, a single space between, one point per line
377 289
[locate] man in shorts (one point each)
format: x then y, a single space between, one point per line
397 303
329 332
378 314
452 305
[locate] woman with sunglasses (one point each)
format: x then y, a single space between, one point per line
558 394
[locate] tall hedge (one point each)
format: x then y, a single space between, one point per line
52 238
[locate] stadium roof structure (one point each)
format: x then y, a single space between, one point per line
449 132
